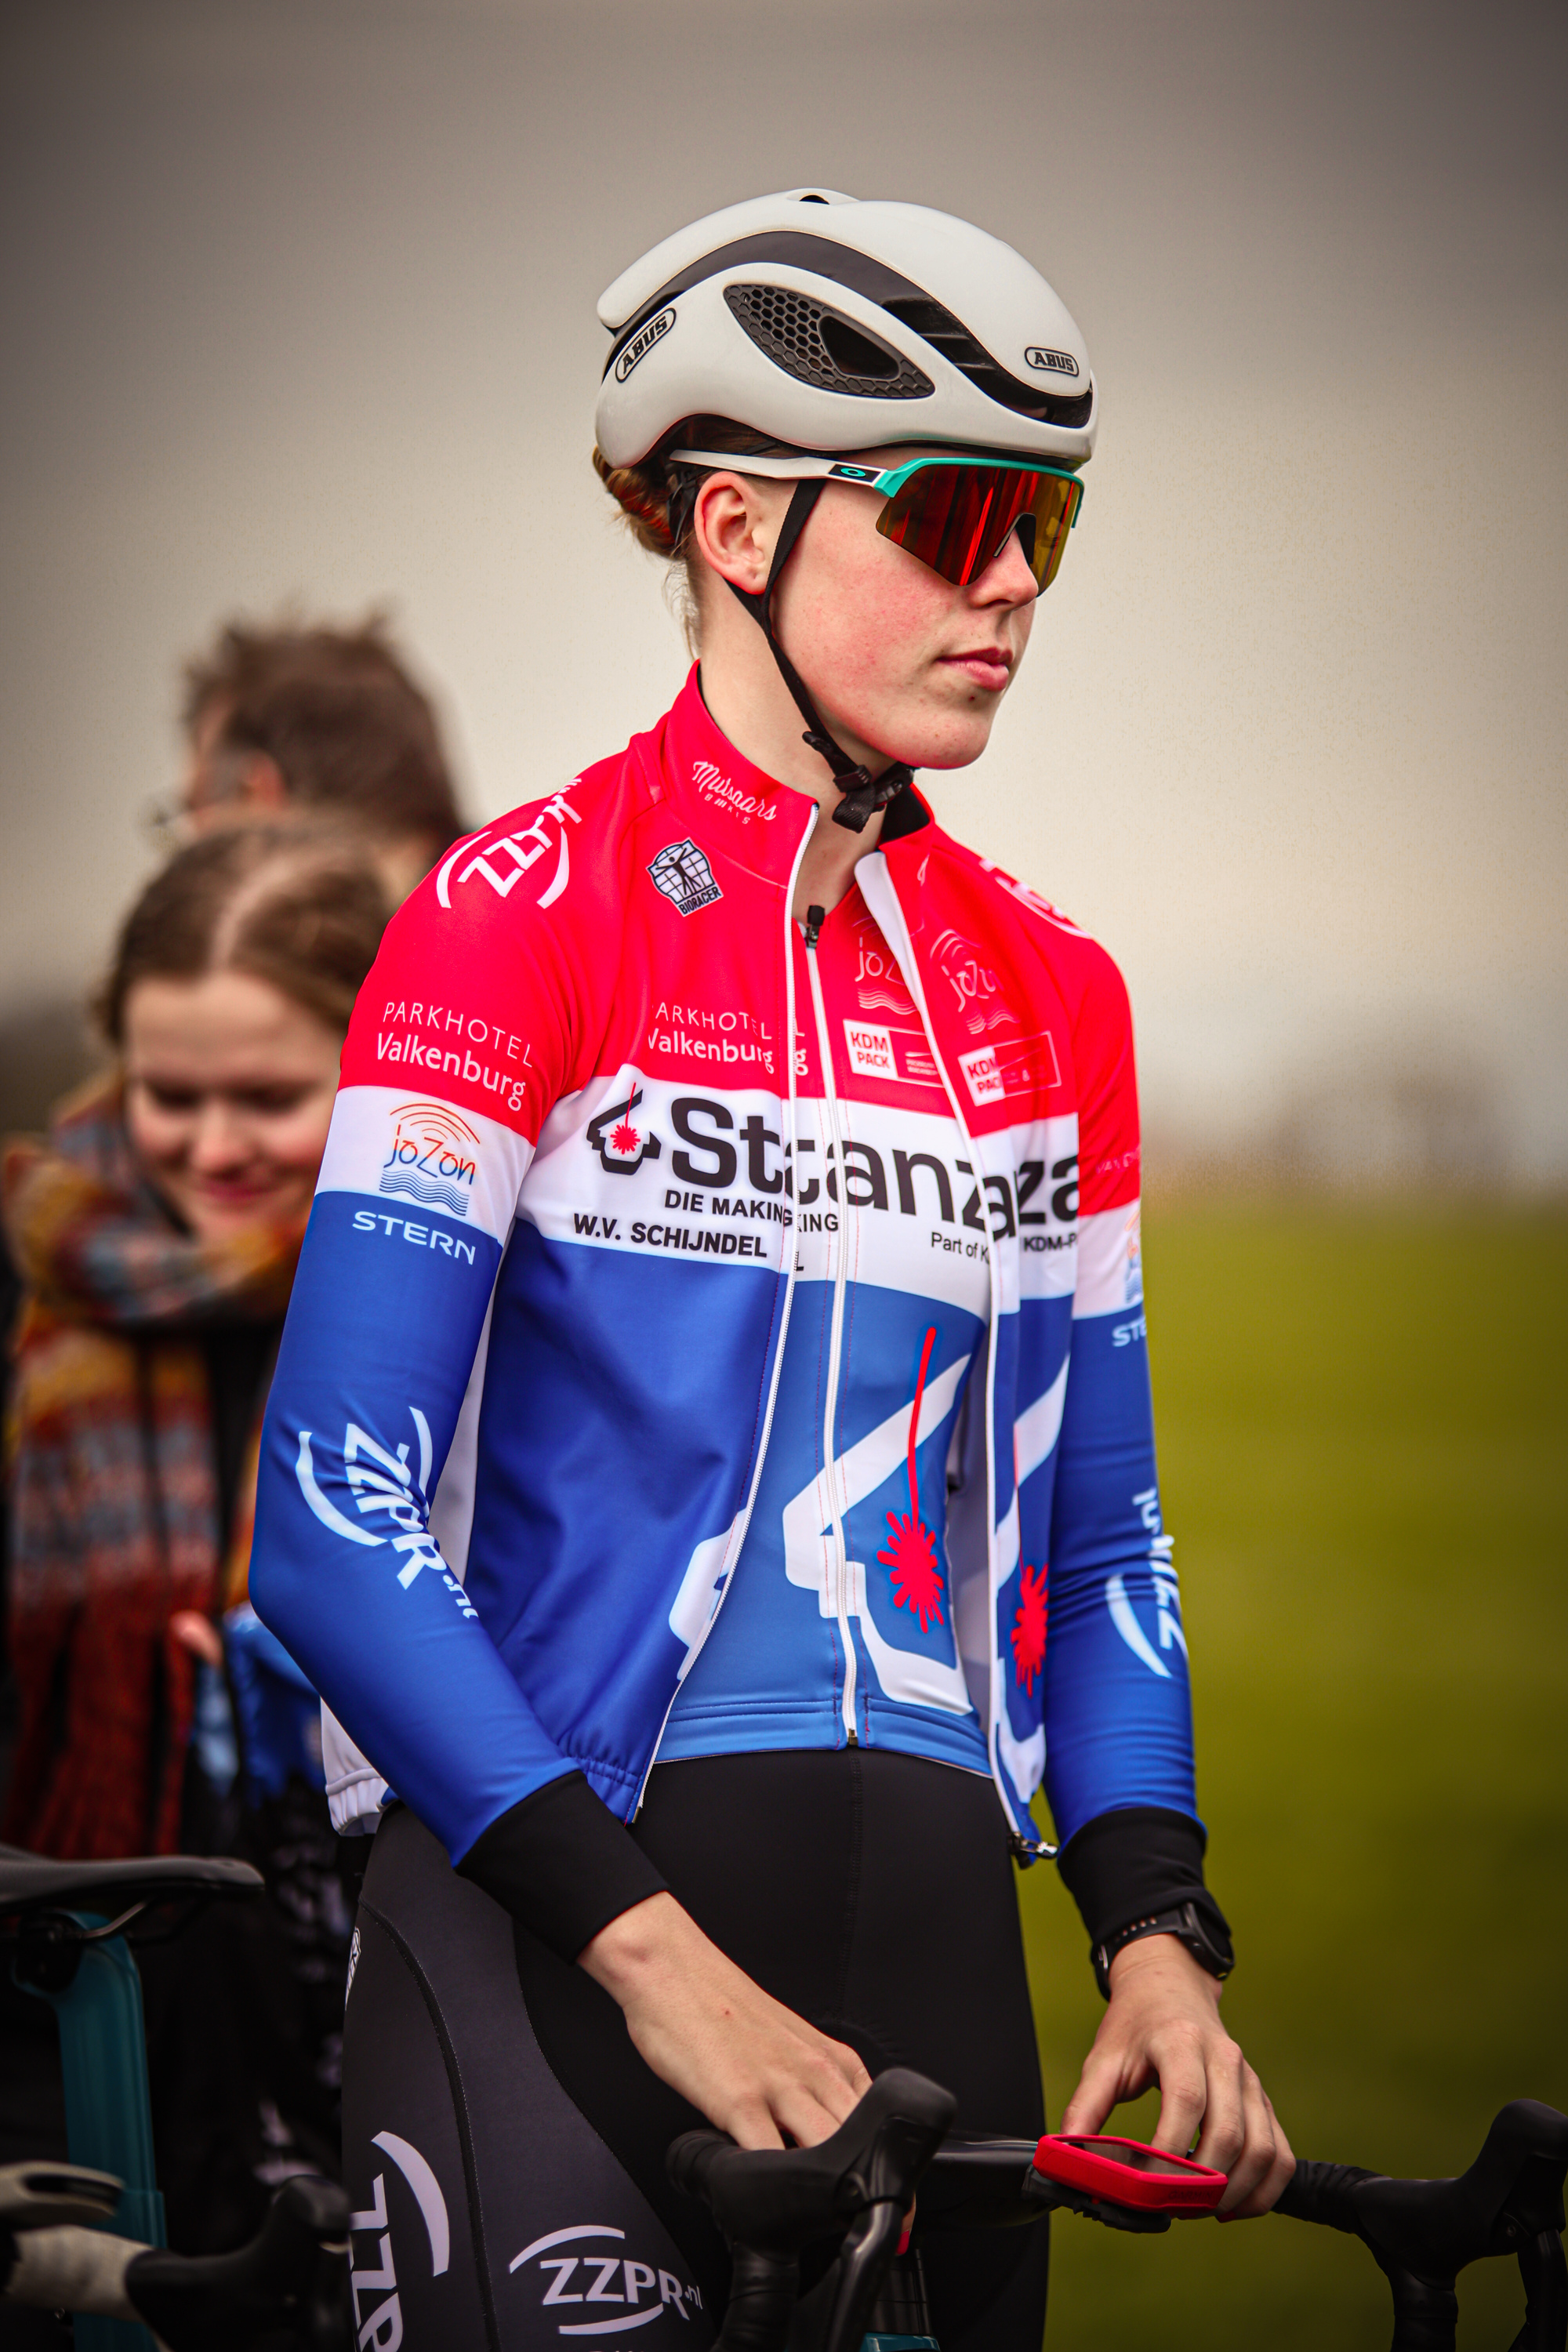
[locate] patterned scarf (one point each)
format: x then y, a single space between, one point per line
114 1497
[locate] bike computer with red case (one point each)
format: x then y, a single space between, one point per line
1126 2173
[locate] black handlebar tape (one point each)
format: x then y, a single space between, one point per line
778 2201
1324 2193
1512 2193
285 2279
1422 2233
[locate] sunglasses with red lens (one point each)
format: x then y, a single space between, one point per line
954 514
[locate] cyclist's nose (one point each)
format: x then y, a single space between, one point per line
1008 579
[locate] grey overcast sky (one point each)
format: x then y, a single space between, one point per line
300 302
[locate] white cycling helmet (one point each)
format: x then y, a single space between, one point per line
831 324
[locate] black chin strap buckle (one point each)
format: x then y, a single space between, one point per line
864 794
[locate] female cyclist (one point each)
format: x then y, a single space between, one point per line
705 1325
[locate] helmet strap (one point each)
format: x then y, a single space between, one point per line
863 793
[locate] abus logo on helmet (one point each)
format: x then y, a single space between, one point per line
643 343
1039 355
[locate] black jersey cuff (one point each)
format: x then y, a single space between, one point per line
1123 1865
562 1864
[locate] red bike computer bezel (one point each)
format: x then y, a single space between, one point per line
1089 2164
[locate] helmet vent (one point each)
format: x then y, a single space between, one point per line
952 338
819 347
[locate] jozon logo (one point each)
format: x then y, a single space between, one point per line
433 1157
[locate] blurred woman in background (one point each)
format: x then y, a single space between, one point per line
157 1230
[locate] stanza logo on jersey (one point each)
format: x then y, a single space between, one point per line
716 787
1017 1066
434 1158
685 876
734 1158
621 1145
584 2273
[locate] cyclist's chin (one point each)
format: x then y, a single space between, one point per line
949 726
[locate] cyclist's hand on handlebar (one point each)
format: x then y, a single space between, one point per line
1162 2025
753 2067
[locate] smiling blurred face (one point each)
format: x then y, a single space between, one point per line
228 1095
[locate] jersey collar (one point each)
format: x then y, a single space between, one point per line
737 806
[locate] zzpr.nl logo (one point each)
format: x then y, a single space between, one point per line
598 2274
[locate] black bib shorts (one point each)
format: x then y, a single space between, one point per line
504 2142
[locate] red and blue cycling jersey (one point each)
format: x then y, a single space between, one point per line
708 1338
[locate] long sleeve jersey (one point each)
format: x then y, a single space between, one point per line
650 1278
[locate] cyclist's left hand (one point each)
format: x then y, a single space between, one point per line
1162 2025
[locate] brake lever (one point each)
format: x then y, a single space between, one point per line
835 2315
1422 2233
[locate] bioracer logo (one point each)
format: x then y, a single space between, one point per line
685 876
1039 355
643 343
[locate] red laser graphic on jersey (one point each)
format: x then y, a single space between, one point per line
625 1137
1029 1627
910 1559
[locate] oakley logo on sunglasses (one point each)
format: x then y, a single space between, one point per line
641 344
1039 356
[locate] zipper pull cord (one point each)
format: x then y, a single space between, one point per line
815 919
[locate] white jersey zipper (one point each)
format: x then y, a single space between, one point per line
814 922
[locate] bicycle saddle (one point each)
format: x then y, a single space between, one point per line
46 2196
1422 2233
30 1882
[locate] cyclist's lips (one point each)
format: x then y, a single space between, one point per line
986 666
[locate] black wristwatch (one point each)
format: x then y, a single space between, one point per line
1211 1950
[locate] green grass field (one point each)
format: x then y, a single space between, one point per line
1362 1423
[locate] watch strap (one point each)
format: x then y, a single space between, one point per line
1208 1943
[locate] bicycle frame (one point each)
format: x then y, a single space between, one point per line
94 1987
